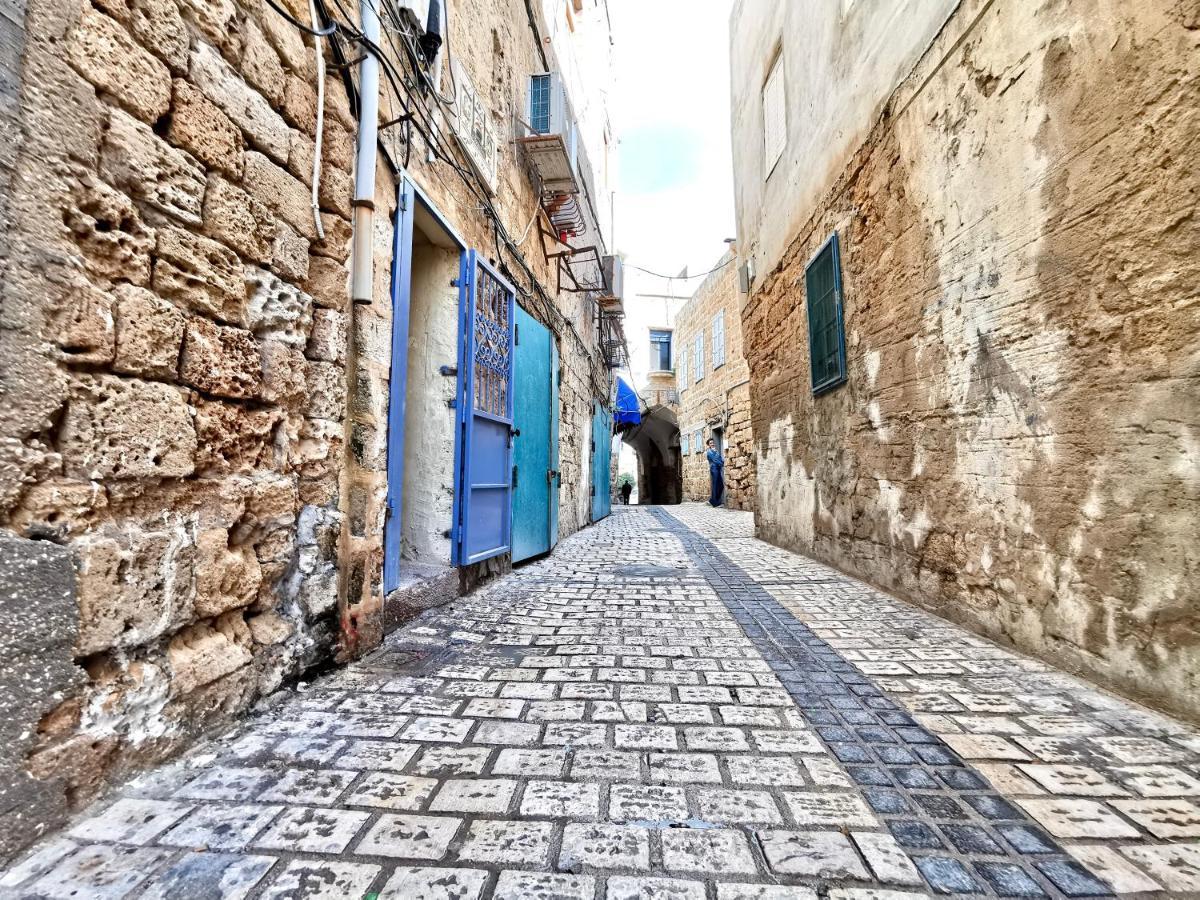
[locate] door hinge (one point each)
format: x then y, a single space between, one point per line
516 333
593 490
514 482
551 474
452 403
447 370
402 204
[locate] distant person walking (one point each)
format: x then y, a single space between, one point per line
626 490
716 473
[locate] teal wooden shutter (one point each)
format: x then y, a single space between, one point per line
826 333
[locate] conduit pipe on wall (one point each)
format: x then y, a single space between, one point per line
316 175
362 262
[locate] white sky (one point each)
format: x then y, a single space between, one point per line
670 111
674 184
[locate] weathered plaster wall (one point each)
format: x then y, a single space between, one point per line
721 399
841 60
1017 445
174 345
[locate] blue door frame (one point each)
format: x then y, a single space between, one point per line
535 441
483 438
398 381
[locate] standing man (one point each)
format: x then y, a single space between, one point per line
716 473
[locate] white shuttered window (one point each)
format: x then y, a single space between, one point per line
774 104
718 340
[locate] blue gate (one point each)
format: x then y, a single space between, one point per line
535 442
483 441
601 458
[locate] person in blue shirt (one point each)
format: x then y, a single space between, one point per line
716 473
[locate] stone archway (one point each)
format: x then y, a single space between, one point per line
660 467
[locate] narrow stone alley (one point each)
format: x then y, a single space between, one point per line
665 707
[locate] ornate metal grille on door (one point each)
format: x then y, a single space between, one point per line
493 362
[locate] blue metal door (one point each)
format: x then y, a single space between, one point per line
535 415
601 457
483 442
398 382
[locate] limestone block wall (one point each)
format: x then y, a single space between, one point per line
721 399
1016 446
174 349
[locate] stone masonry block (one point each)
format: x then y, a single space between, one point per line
290 257
200 275
249 109
281 192
300 104
336 190
300 156
134 585
227 577
110 233
104 53
83 327
200 654
328 282
326 391
233 438
294 50
142 164
158 27
260 63
329 336
220 360
118 428
277 310
217 21
149 334
201 128
238 220
284 373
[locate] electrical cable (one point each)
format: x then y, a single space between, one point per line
681 277
326 32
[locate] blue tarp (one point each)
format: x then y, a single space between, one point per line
629 405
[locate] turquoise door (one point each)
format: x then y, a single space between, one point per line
535 439
601 457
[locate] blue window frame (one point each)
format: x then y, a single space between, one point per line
539 103
660 351
826 331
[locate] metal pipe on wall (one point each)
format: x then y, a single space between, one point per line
362 262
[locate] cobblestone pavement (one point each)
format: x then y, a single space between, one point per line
664 708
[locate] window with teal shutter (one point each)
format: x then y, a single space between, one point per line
826 334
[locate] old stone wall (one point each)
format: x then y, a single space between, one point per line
1016 445
173 382
721 399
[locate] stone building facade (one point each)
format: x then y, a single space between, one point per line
194 417
713 387
1012 442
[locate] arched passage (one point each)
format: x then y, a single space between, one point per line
656 442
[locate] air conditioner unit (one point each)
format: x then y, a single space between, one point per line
550 135
614 278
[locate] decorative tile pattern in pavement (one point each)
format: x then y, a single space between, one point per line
598 725
963 836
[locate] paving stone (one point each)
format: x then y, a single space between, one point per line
227 783
1072 879
321 786
1109 866
409 836
1009 880
947 876
622 887
1163 818
1176 867
474 795
321 880
810 808
130 821
714 851
220 827
603 846
544 886
312 830
775 892
101 872
508 843
738 807
221 876
815 854
688 768
561 799
431 883
887 859
1066 818
391 791
445 762
769 770
437 728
